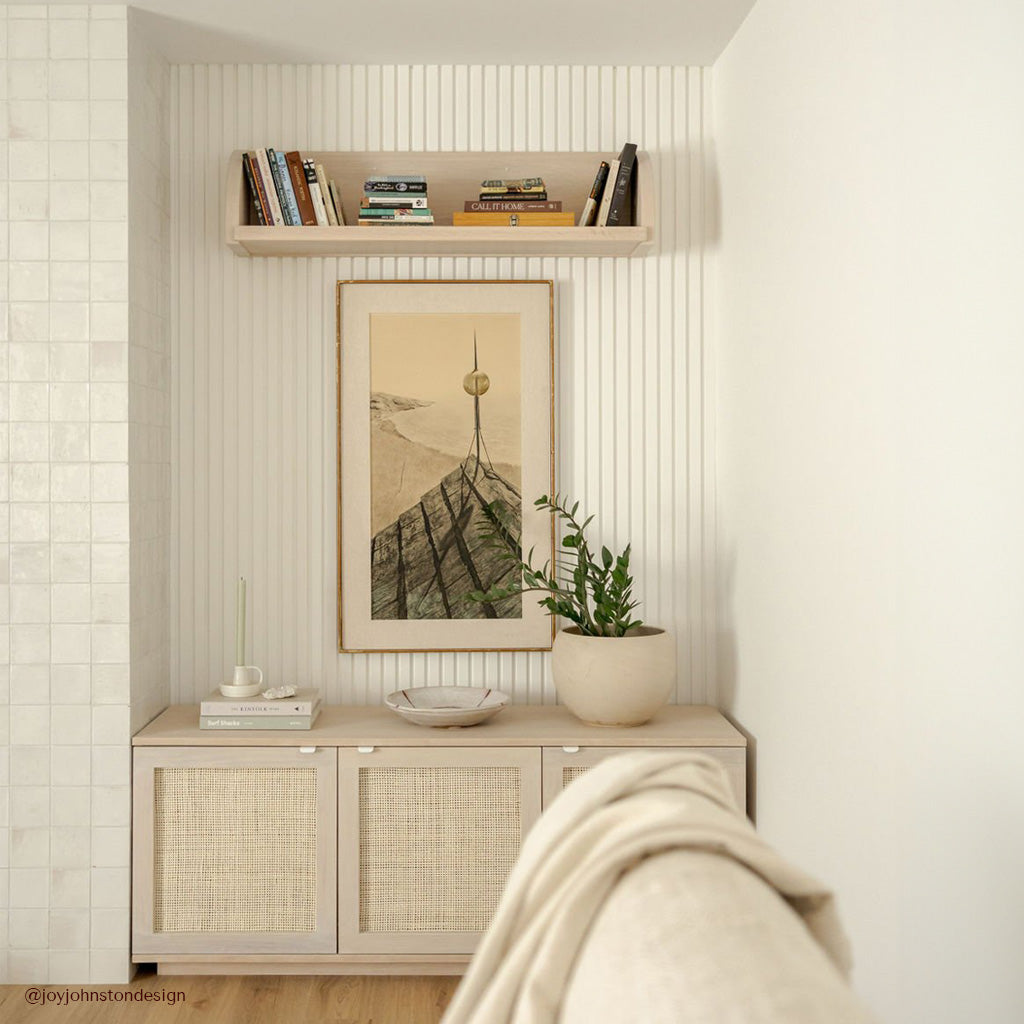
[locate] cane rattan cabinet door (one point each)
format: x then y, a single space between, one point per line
234 850
427 837
562 765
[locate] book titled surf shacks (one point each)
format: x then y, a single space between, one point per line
258 721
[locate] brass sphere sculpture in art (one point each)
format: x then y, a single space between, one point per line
476 382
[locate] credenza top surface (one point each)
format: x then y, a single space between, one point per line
682 725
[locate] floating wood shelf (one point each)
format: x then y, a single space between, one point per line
452 178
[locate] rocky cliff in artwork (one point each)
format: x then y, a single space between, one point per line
425 563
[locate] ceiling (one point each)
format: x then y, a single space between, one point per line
667 32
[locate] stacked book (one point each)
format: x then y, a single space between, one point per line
513 202
299 711
286 189
395 199
612 199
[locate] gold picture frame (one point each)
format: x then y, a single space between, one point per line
445 393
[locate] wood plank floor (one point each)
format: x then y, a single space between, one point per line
249 1000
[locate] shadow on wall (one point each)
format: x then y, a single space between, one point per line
712 196
727 671
191 42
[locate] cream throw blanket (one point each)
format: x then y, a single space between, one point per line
624 810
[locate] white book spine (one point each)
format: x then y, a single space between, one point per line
314 193
325 195
271 188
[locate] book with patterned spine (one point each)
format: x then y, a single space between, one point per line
283 180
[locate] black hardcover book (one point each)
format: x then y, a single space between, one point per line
623 198
254 192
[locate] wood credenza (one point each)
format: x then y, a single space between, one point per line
364 845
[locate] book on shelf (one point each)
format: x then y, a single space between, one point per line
589 215
258 201
396 183
302 703
394 200
621 209
395 211
606 196
314 190
512 206
285 192
325 194
336 197
258 721
307 215
408 217
528 219
528 188
263 164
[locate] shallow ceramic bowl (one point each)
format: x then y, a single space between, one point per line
446 706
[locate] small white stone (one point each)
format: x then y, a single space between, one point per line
277 692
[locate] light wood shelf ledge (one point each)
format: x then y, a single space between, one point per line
452 178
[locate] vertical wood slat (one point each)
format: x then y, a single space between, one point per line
254 343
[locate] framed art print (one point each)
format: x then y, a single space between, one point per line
445 406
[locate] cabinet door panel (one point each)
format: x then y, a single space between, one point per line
562 765
234 850
427 838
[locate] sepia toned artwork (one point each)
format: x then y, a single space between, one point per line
454 384
445 425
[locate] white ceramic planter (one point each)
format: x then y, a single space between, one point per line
621 680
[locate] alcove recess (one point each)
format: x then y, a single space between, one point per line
452 178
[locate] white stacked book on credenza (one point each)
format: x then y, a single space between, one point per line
298 711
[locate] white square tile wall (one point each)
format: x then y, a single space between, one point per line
83 100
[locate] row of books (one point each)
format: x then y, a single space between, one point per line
301 193
395 199
287 189
299 711
612 199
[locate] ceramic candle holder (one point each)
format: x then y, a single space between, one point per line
243 684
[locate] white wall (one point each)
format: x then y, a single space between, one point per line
871 430
149 372
254 361
66 444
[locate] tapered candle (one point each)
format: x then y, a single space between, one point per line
240 624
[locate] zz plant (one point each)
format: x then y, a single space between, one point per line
594 593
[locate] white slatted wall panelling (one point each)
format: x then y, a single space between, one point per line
253 363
